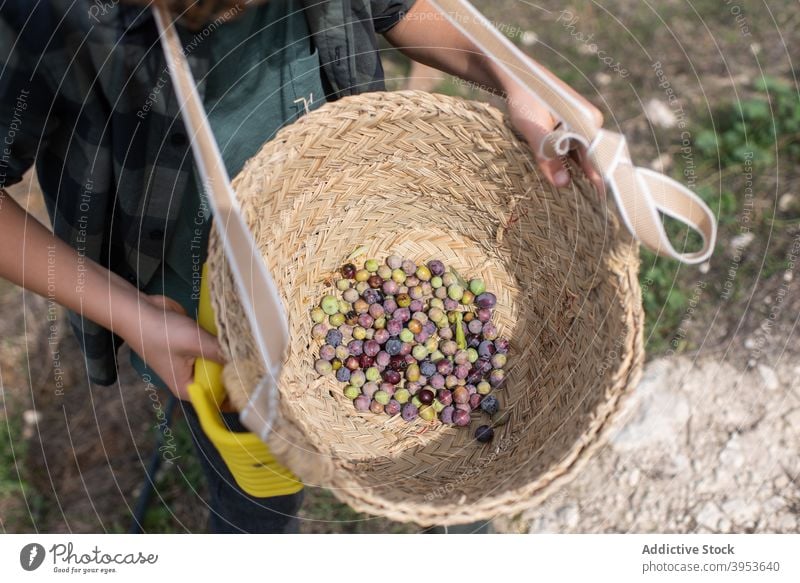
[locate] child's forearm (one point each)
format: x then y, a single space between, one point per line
32 257
427 37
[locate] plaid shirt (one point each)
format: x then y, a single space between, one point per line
86 96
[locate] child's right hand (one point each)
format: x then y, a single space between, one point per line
169 341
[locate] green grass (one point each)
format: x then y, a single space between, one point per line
723 145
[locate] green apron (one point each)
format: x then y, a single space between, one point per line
264 74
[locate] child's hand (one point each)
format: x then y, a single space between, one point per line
534 122
169 341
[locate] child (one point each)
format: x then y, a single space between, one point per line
86 96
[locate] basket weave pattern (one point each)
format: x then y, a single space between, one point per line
428 176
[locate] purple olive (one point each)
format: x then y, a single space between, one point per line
489 331
416 305
392 408
462 370
498 360
382 358
484 315
475 400
394 327
381 336
410 412
365 361
352 363
393 346
409 267
461 418
444 367
429 328
486 300
461 395
405 348
323 366
490 404
376 407
450 304
501 345
376 311
327 352
390 287
402 314
473 341
426 396
371 296
334 338
387 388
369 389
371 347
391 376
486 349
445 397
343 374
427 368
319 330
446 416
389 305
484 434
446 333
375 281
348 270
451 381
413 387
436 267
362 402
437 381
497 377
366 321
398 362
475 326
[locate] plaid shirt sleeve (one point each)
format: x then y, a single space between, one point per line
26 98
387 13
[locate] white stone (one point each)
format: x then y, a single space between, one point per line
660 411
568 515
662 163
660 114
529 38
710 516
786 201
602 78
741 512
769 377
31 417
740 242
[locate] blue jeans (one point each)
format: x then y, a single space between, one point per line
232 510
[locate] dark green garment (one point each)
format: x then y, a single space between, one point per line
264 74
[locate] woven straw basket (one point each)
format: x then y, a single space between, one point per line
428 176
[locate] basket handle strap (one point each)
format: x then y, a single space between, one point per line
640 194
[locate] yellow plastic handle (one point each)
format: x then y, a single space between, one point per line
253 467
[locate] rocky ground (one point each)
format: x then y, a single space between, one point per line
710 443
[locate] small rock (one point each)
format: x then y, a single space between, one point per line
529 38
634 477
786 202
660 114
742 513
710 516
769 377
662 163
31 417
740 242
568 515
704 267
602 78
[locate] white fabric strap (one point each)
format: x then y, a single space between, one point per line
640 194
